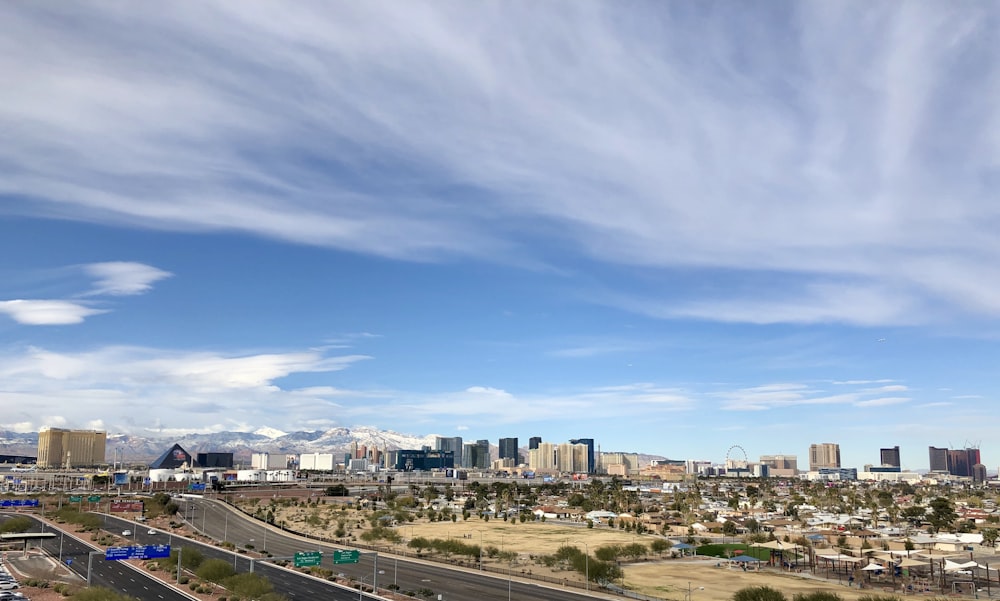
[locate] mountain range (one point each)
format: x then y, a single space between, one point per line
134 449
131 448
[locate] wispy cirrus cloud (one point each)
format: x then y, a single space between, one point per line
37 312
116 278
882 401
123 278
790 395
685 140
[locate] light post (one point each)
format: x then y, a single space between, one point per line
90 563
700 588
361 589
480 550
509 564
587 564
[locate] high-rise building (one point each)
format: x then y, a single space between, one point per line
824 455
482 460
979 473
938 459
534 441
591 458
71 448
543 458
960 461
468 455
449 443
619 464
890 456
781 465
216 460
508 450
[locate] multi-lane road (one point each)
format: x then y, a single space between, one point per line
220 522
78 556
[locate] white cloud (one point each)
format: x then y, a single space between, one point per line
121 278
883 401
48 387
791 395
781 150
47 312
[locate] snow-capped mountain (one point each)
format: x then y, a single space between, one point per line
270 432
133 448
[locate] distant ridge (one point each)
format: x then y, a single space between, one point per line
147 448
143 449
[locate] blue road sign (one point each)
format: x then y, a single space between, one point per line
137 552
19 503
69 561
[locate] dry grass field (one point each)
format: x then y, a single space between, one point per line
656 576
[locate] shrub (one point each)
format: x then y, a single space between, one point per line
759 593
817 596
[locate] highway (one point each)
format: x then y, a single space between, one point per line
220 522
109 574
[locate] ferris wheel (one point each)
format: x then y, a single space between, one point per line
736 457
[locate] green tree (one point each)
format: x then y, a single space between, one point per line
758 593
914 514
942 513
608 552
337 490
660 545
990 536
635 550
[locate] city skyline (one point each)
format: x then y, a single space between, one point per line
671 229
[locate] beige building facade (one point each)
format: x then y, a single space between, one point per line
58 447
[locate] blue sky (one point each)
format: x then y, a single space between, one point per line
672 228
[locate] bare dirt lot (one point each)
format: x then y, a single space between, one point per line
654 575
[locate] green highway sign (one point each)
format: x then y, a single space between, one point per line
94 498
75 498
306 559
346 556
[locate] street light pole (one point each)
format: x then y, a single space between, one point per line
480 550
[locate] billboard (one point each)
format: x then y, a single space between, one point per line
126 506
121 478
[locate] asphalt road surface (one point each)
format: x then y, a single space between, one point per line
110 574
218 521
